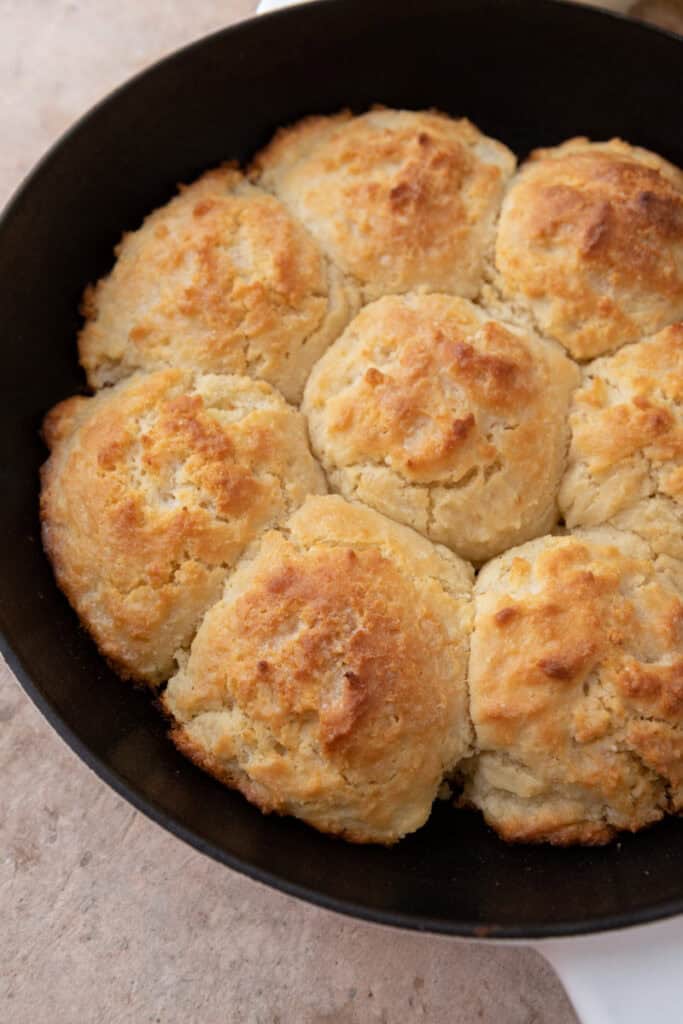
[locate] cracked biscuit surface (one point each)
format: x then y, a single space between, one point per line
223 280
329 681
590 244
152 490
440 417
399 199
576 688
626 455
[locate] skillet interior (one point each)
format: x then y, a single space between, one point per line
525 71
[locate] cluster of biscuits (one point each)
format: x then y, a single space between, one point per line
386 308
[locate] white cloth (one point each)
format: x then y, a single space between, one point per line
275 5
611 5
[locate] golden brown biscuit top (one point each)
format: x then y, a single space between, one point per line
398 199
610 211
591 235
158 482
441 375
246 249
162 476
333 640
630 407
329 634
221 279
579 644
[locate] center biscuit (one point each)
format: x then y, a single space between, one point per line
444 419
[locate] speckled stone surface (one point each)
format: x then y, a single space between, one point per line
105 917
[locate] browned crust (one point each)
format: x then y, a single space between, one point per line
588 833
398 199
62 420
576 688
590 243
246 290
53 552
291 133
148 498
584 833
240 781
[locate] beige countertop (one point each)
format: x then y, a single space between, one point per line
105 917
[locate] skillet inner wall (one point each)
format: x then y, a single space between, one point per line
526 72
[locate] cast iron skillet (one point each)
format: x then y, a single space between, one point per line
527 72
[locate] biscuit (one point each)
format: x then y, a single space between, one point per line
398 199
221 280
625 461
152 490
590 244
576 688
444 419
329 681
